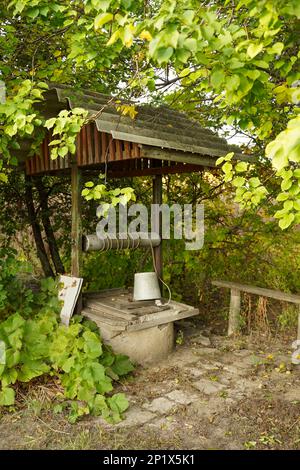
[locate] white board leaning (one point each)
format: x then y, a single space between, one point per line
69 293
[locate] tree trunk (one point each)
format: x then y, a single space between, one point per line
43 199
40 247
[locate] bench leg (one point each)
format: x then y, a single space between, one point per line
234 312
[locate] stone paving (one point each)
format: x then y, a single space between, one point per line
201 383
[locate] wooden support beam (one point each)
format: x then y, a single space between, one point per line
234 312
76 231
261 291
157 226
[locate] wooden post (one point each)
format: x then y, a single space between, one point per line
157 225
298 335
234 311
76 235
76 228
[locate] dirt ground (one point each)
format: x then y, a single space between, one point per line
211 393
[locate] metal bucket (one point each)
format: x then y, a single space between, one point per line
146 287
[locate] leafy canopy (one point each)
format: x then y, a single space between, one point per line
239 56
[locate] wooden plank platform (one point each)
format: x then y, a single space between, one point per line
116 310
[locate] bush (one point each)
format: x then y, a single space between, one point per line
75 355
34 343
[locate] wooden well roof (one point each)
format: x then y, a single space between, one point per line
158 139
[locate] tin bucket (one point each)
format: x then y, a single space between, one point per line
146 287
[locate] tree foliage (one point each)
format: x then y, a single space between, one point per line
241 57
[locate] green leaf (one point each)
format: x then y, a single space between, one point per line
7 396
99 405
254 49
13 323
183 55
98 371
220 160
190 44
288 205
217 78
227 167
9 377
238 181
233 82
286 221
297 205
188 16
68 364
63 151
122 365
286 184
254 182
32 369
102 19
50 123
235 64
228 157
261 63
241 167
3 177
92 346
277 48
101 4
85 393
163 54
282 197
118 403
126 3
33 13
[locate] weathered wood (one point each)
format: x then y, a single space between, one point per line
298 334
107 306
132 304
164 317
165 170
107 293
76 229
114 324
151 310
93 243
109 316
234 312
120 319
157 225
274 294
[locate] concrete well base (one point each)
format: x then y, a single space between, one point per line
143 346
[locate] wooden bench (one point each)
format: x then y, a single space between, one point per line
235 301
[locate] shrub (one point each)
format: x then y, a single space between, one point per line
34 343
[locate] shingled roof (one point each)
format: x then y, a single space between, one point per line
159 127
158 139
